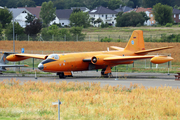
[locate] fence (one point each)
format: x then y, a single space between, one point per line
94 37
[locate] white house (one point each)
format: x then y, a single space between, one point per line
63 16
19 15
105 14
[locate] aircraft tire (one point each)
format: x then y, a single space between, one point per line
61 75
105 75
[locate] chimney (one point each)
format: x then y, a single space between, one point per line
120 6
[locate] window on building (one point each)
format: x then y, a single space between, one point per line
152 21
94 15
62 23
112 15
179 16
102 15
174 15
24 12
151 15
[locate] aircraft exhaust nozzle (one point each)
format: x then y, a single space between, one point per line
161 59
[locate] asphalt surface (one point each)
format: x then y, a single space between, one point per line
119 78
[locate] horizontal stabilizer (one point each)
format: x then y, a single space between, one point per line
4 65
152 50
8 52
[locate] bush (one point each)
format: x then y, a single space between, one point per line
106 39
179 25
104 25
119 40
169 25
138 25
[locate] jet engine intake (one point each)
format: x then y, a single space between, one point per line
99 59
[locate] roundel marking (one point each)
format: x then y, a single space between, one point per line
132 42
4 59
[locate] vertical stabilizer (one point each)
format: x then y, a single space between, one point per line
3 58
136 42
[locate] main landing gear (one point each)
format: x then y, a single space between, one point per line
106 72
63 75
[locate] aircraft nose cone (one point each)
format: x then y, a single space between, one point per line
40 66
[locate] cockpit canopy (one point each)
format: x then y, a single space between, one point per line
53 56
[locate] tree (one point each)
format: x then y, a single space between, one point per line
29 18
5 17
130 19
145 16
11 3
77 32
39 2
114 4
162 13
151 3
79 19
135 3
47 12
1 29
23 3
59 4
76 10
18 30
34 27
99 20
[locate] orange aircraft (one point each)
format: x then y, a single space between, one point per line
64 64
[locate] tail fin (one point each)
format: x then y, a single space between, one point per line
136 42
3 58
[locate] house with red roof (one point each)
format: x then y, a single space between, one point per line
148 12
176 15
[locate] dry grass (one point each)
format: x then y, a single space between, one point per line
59 47
33 100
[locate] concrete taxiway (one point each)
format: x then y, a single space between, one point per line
119 78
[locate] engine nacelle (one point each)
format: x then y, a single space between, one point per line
99 59
14 58
161 59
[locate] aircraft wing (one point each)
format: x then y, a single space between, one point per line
126 58
38 56
152 50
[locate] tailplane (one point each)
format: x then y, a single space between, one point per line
136 42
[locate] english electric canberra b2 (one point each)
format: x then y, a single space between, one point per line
63 64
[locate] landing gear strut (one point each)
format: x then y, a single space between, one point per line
107 74
65 74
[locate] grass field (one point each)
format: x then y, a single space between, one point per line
84 101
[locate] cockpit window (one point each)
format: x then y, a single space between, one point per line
54 56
